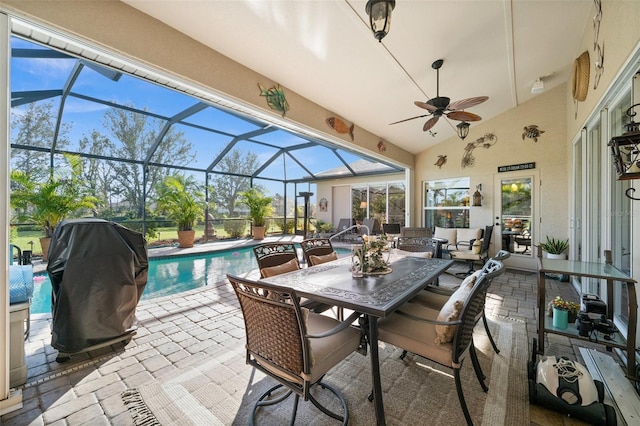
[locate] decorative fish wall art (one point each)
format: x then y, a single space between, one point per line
340 126
275 98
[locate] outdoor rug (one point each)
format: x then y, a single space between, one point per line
222 390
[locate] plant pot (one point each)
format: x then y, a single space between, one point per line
45 242
556 256
560 319
258 232
186 238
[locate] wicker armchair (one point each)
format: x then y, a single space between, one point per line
318 250
436 297
293 346
418 329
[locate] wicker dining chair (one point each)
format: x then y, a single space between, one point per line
291 345
446 341
318 250
276 258
436 297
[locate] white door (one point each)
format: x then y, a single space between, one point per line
516 223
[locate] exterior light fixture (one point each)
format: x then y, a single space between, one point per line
477 196
626 152
463 129
379 12
538 87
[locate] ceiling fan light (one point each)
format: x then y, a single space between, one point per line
463 129
379 12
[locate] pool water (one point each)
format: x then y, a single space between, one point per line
169 275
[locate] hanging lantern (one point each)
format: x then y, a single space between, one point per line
379 12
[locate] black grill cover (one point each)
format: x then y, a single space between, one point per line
98 271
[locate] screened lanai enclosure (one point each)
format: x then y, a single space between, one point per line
131 127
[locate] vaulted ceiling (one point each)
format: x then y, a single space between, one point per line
325 51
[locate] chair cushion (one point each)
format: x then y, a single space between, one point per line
449 234
289 266
450 311
328 351
20 283
318 259
466 235
425 254
415 336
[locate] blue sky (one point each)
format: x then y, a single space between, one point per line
83 116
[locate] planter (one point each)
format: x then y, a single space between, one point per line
45 242
560 319
258 232
556 256
186 238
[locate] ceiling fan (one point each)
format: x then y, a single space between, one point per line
440 106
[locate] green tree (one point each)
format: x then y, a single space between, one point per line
98 174
137 134
34 126
228 187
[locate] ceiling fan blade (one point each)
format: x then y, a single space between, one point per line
412 118
430 123
426 106
466 103
463 116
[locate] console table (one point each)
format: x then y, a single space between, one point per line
605 271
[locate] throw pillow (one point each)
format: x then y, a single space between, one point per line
289 266
318 259
451 310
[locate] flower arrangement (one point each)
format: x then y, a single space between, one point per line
559 303
371 256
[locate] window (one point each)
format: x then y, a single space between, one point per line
446 203
383 201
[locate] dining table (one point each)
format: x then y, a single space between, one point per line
375 295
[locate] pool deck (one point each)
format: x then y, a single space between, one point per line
175 333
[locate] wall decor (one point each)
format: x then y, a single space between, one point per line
597 48
486 141
442 159
275 98
580 77
532 132
381 147
340 126
323 204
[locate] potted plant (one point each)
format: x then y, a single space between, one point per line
259 208
183 203
555 248
48 203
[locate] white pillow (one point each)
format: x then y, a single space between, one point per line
451 310
425 254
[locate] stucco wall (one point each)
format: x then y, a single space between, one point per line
548 111
619 35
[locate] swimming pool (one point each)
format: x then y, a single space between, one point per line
169 275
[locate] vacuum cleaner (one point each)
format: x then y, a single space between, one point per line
567 387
